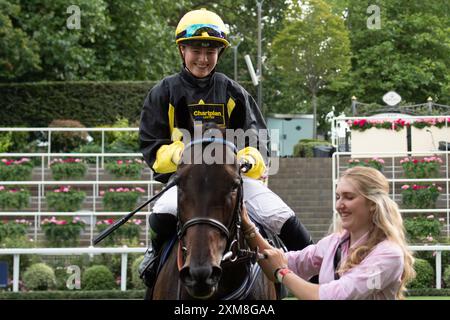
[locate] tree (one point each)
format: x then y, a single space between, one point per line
313 49
18 52
409 53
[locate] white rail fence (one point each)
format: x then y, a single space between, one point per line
44 180
125 251
395 177
96 183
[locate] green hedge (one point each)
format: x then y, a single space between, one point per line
428 292
74 294
305 148
91 103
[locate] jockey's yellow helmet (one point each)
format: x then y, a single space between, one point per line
204 27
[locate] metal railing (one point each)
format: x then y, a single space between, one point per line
124 251
338 167
49 132
95 183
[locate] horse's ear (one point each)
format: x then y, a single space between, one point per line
237 117
183 117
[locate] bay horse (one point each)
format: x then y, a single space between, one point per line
209 258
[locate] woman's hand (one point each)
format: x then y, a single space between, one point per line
275 258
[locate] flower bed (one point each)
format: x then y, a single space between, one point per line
375 163
127 234
427 167
15 170
68 169
13 229
65 199
128 169
423 229
397 124
14 198
121 199
62 232
420 196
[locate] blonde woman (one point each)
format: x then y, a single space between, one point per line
367 258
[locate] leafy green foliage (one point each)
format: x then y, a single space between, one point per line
15 170
424 277
97 277
120 201
305 148
128 169
38 104
12 198
39 276
13 230
375 163
422 229
136 281
68 169
428 167
65 199
408 53
420 196
446 276
62 232
128 234
312 50
18 51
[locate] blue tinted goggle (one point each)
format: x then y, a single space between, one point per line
196 30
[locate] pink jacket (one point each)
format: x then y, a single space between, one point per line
376 277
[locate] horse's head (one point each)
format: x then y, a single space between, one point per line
209 200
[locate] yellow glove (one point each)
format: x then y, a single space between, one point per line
253 156
168 157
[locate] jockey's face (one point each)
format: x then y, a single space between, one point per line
200 61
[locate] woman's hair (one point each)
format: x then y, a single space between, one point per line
386 218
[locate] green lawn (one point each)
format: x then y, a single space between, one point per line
429 298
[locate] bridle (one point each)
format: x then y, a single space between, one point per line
233 244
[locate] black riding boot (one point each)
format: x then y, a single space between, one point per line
296 237
162 229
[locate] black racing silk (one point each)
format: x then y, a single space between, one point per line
215 98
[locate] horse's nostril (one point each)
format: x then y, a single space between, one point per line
185 276
215 275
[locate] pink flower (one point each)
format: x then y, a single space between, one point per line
405 187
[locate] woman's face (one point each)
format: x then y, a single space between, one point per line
353 208
200 61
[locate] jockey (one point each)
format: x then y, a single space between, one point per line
201 37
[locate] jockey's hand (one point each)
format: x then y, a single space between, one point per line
253 156
168 157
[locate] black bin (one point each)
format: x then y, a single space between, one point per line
323 151
444 146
